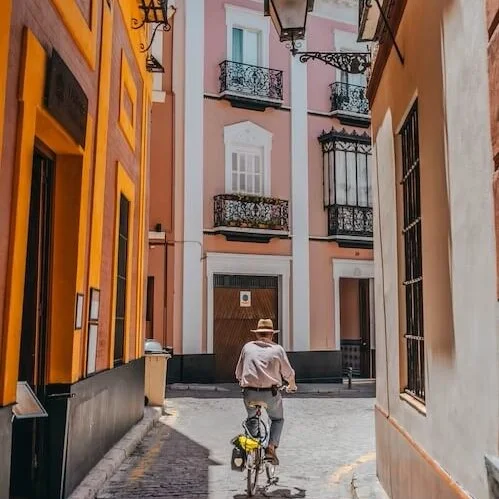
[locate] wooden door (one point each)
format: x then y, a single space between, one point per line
28 439
365 328
233 323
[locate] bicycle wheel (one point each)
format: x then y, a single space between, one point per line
253 466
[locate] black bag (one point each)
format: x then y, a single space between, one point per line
238 459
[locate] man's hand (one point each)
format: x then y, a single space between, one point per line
291 387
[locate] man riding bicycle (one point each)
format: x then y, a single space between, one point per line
262 366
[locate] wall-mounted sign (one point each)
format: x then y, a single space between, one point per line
94 305
92 348
245 298
79 311
65 99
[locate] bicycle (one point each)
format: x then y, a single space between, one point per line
255 457
256 461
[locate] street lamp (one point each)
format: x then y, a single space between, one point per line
290 19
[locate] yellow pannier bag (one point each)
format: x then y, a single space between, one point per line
248 443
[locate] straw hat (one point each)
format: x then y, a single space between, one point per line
265 326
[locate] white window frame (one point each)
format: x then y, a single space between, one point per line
253 20
246 135
254 151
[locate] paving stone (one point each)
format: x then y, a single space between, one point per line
187 454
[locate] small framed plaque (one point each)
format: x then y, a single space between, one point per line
79 311
245 299
94 304
28 406
92 348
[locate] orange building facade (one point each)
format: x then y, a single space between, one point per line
74 126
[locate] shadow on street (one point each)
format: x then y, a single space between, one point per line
163 454
363 389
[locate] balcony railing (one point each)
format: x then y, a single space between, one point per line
251 81
349 98
350 221
253 212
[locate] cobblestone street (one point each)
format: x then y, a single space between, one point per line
187 455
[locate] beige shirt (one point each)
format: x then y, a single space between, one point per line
262 365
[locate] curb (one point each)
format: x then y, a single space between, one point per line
111 461
369 488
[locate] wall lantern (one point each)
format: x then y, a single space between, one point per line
156 12
290 19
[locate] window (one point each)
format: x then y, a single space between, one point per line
247 36
121 281
247 159
247 171
246 46
413 283
347 171
352 79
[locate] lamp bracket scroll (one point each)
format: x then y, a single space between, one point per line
157 12
349 62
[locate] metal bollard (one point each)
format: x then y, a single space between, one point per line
350 374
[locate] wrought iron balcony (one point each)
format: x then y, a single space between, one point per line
349 103
250 86
238 214
351 226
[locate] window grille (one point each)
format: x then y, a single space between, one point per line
245 281
413 283
121 281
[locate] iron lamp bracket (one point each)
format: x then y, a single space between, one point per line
349 62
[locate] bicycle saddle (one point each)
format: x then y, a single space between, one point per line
262 405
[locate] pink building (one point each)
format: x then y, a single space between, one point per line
261 202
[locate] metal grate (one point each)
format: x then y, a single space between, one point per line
245 281
250 80
414 334
236 210
348 97
347 183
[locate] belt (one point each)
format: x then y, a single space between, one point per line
269 389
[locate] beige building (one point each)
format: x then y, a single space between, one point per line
435 271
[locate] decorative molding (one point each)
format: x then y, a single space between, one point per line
240 17
246 134
347 269
250 264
